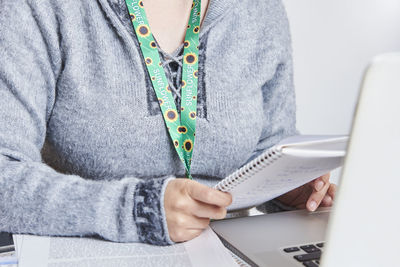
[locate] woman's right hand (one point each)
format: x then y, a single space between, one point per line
189 206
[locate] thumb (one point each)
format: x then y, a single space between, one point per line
208 195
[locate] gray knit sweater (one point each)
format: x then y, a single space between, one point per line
83 146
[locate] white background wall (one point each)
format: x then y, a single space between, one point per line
333 41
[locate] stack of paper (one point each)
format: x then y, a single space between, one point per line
205 250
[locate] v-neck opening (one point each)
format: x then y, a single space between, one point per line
215 11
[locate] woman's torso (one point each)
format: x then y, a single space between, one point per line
105 121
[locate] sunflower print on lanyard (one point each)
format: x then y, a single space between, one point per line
182 129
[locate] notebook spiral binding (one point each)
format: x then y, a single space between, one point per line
250 169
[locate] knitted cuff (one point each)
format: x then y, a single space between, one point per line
148 211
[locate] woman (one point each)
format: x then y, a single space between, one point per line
84 148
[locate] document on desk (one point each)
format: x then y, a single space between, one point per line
205 250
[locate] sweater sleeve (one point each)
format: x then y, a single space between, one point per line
34 198
279 104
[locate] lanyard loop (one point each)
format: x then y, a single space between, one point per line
182 129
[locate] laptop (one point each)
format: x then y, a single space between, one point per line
363 227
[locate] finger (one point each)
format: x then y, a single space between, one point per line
208 195
183 221
185 234
316 197
290 197
321 181
327 201
326 177
318 184
203 210
302 198
185 227
198 223
332 190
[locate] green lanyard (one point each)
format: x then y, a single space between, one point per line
181 129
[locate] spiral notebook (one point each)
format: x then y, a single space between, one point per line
291 163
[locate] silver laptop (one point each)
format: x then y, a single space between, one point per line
364 224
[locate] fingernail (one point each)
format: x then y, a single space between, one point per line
312 205
319 185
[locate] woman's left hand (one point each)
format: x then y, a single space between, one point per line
319 192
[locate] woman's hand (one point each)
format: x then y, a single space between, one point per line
189 206
319 192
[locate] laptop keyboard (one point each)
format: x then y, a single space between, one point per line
308 255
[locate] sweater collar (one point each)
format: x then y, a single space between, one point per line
216 10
